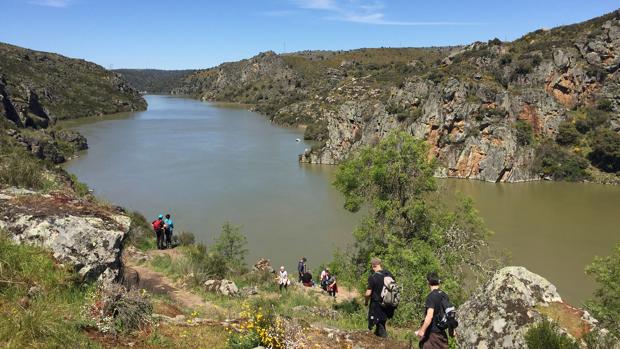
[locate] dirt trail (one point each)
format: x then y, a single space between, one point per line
159 284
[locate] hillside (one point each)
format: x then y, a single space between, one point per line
38 87
543 106
154 80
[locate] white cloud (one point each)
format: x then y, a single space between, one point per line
52 3
364 11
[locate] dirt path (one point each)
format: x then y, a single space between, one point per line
159 284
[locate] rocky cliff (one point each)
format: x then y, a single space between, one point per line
154 80
494 111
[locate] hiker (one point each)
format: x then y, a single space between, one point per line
324 278
283 280
169 227
377 314
306 279
430 334
332 286
158 227
301 267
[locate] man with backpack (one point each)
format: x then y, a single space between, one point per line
383 295
158 227
440 316
301 268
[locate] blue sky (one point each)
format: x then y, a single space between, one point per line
199 34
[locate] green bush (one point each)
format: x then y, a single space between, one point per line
141 233
186 238
231 245
545 335
525 135
589 119
559 163
605 152
567 134
316 131
605 307
605 105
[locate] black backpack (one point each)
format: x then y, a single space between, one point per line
446 318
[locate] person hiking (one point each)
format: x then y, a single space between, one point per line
324 278
301 268
332 286
377 314
431 336
158 227
169 227
283 280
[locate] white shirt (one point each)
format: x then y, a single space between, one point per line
283 277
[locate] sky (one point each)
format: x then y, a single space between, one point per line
183 34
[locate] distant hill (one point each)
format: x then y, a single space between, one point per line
154 80
543 106
36 87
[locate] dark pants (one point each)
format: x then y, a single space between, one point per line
434 340
168 238
284 285
377 319
160 238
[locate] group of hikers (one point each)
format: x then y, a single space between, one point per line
382 294
163 228
382 297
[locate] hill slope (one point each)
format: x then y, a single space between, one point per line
154 80
38 87
541 106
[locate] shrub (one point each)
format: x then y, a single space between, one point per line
546 335
231 245
605 105
260 326
567 134
606 304
605 153
524 132
116 310
186 238
590 119
141 233
316 131
559 163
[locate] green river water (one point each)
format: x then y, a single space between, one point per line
206 164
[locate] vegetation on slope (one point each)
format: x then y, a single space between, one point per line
154 80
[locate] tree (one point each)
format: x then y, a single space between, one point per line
606 305
606 150
567 134
406 226
231 244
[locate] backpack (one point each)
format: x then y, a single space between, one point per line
446 319
390 294
156 224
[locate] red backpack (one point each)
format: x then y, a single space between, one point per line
157 224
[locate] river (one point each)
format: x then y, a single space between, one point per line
207 164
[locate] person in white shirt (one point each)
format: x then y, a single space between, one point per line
283 279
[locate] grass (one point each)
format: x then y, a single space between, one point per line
49 318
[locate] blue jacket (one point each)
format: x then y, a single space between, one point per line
169 223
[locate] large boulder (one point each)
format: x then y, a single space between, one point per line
76 231
263 265
499 314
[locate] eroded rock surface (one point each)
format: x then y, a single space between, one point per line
76 231
500 313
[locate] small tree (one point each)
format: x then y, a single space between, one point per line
231 244
606 305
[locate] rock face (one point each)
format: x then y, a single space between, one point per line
482 108
36 88
88 237
224 287
500 313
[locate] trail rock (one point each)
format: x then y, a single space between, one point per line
263 264
224 287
